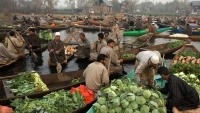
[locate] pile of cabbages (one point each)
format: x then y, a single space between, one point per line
191 79
125 96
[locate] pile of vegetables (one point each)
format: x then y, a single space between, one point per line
70 50
128 55
179 35
124 96
56 102
191 79
26 83
175 44
186 60
186 53
185 68
46 35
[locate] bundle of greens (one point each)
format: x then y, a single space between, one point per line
56 102
189 53
185 68
46 35
26 83
128 55
174 44
124 96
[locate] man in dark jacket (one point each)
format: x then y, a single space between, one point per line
180 94
188 30
33 41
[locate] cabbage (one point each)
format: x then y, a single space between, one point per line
112 95
134 89
128 110
113 88
162 110
130 97
154 96
155 111
140 91
106 90
124 103
153 105
144 109
97 106
136 111
104 109
140 100
160 102
118 109
146 94
101 100
133 105
111 111
115 102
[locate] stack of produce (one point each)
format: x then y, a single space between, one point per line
175 44
55 102
188 62
128 55
191 79
26 83
124 96
46 35
70 50
179 35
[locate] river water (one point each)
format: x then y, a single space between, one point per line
42 65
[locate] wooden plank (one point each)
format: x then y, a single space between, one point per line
7 90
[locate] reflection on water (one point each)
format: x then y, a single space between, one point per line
41 66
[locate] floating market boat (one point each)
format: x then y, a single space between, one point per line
192 38
8 63
141 32
162 48
99 23
91 27
130 75
162 25
78 23
187 54
54 82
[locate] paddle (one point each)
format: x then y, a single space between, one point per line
12 42
30 49
58 65
109 65
123 71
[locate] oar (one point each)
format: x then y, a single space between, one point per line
30 49
123 71
58 65
12 42
109 65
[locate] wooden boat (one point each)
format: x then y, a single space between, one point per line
162 25
78 22
98 23
161 48
53 28
189 47
8 63
54 82
192 38
130 75
142 32
91 28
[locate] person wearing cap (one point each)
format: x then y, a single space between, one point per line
99 44
56 47
83 50
15 45
146 62
33 41
113 57
181 98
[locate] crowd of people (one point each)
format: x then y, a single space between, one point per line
106 61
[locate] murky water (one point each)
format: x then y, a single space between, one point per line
42 65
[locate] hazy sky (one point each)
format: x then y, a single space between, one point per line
61 2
